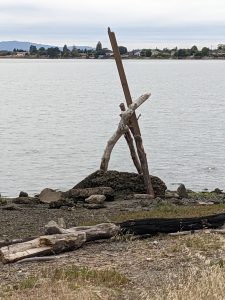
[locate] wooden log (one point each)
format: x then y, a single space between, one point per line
96 232
130 143
122 128
134 122
44 245
157 225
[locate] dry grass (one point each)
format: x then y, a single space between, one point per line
193 284
68 283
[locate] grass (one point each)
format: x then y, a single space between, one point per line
194 284
171 211
67 283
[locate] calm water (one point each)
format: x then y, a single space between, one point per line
56 116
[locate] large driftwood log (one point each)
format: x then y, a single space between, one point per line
130 143
156 225
97 232
62 240
122 128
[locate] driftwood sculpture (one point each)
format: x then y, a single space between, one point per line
122 129
139 159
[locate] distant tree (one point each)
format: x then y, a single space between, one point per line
205 51
66 51
146 52
53 52
193 50
33 50
74 52
122 50
98 47
182 53
42 51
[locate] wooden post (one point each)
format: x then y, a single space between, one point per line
133 121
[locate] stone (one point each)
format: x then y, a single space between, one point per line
93 205
48 196
11 207
181 191
142 197
23 194
80 194
123 183
171 195
95 199
218 191
61 203
26 200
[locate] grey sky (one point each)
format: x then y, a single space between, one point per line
143 23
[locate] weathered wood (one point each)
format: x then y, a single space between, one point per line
156 225
96 232
44 245
134 122
122 128
130 143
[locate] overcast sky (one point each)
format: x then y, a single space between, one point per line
139 23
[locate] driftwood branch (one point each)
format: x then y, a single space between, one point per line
130 143
122 128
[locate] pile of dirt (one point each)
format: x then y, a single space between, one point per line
123 183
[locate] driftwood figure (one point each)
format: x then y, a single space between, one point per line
128 123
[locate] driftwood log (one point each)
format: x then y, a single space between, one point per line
156 225
59 240
122 128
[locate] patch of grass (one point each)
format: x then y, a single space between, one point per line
106 277
171 211
203 242
205 195
28 283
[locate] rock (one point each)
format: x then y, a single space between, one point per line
83 193
123 183
93 205
11 207
171 195
218 191
95 199
142 197
63 202
205 203
23 194
181 191
26 200
49 196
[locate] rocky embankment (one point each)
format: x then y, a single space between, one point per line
98 198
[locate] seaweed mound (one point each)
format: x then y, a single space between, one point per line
123 183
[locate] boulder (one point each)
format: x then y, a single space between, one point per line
26 200
49 196
96 199
23 194
181 191
123 183
83 193
93 205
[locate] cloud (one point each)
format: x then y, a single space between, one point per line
88 20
